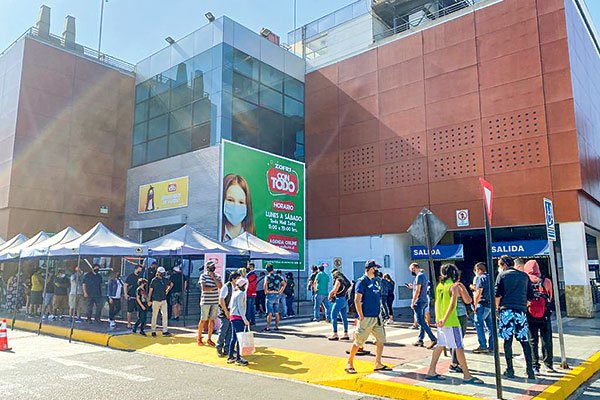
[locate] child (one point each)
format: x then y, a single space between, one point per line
449 333
141 299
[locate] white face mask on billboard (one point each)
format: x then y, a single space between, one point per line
235 213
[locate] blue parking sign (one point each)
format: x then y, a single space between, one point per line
550 226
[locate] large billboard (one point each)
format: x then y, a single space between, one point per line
263 194
163 195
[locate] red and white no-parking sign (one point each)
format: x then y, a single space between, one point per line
462 218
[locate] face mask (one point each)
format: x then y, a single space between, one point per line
96 270
211 269
235 213
413 273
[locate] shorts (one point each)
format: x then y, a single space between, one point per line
132 305
35 298
60 302
209 312
369 326
272 304
48 298
450 337
75 300
176 298
511 324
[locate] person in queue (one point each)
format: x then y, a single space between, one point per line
115 293
92 292
251 293
274 287
157 295
210 283
225 330
483 312
130 289
179 281
339 299
420 304
237 317
141 301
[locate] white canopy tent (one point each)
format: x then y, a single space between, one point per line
41 249
14 252
2 241
186 241
98 241
259 249
15 241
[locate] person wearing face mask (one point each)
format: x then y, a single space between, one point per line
92 292
210 283
159 288
60 302
237 317
420 303
237 208
115 293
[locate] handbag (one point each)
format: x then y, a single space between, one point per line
246 342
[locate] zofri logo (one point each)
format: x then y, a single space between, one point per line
282 182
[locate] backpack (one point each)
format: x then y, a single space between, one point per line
538 307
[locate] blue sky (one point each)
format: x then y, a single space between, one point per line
134 29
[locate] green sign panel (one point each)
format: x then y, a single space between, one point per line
263 194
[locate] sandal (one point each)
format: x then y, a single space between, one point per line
350 370
473 381
382 368
435 377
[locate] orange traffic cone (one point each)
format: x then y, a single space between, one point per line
4 337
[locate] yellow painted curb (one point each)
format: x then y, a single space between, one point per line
576 377
63 332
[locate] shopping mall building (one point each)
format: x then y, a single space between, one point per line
394 106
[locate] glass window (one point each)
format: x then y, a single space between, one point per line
270 131
160 84
181 119
180 142
245 64
157 149
140 133
245 113
294 88
293 108
138 155
201 136
203 62
142 91
271 99
159 105
180 96
158 127
201 111
199 80
327 22
181 74
271 77
343 15
293 139
244 134
245 88
141 112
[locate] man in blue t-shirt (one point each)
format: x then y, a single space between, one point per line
367 300
420 304
483 310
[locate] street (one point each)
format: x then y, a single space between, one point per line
42 367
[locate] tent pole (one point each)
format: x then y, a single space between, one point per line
76 296
44 294
183 284
18 295
187 289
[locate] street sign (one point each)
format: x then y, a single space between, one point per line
418 229
462 218
488 195
550 226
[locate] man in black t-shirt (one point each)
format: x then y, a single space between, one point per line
92 292
130 288
159 288
179 281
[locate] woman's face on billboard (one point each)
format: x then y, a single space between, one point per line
235 205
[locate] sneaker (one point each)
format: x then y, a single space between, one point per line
220 353
531 376
549 369
241 362
419 343
509 373
481 350
230 360
44 318
314 320
455 368
153 334
432 345
134 330
78 321
166 334
142 333
536 370
51 317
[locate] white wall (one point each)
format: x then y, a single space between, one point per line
364 248
574 253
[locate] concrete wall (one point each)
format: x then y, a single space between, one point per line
203 168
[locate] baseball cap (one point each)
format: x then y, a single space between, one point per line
241 282
372 264
210 264
161 270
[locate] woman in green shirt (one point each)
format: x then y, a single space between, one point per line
448 324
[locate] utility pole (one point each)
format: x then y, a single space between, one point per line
101 21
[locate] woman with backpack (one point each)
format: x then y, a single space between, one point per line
338 297
538 316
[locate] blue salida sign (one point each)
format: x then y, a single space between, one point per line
550 225
439 252
523 248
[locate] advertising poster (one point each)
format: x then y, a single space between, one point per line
163 195
263 194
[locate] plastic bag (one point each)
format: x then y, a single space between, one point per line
246 342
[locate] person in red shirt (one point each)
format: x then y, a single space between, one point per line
251 294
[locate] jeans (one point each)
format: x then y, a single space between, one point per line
289 302
283 305
420 309
483 316
340 306
162 307
236 326
541 328
114 308
250 309
224 333
509 355
389 301
141 321
321 299
260 301
463 319
94 301
384 310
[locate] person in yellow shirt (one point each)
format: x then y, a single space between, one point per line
37 287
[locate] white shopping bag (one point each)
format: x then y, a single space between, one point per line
246 342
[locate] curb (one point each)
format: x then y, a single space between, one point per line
574 378
100 339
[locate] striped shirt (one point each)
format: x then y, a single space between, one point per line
212 296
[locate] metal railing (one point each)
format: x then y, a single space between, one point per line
74 48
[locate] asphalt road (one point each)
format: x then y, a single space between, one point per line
41 367
589 391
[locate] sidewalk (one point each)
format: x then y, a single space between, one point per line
300 352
